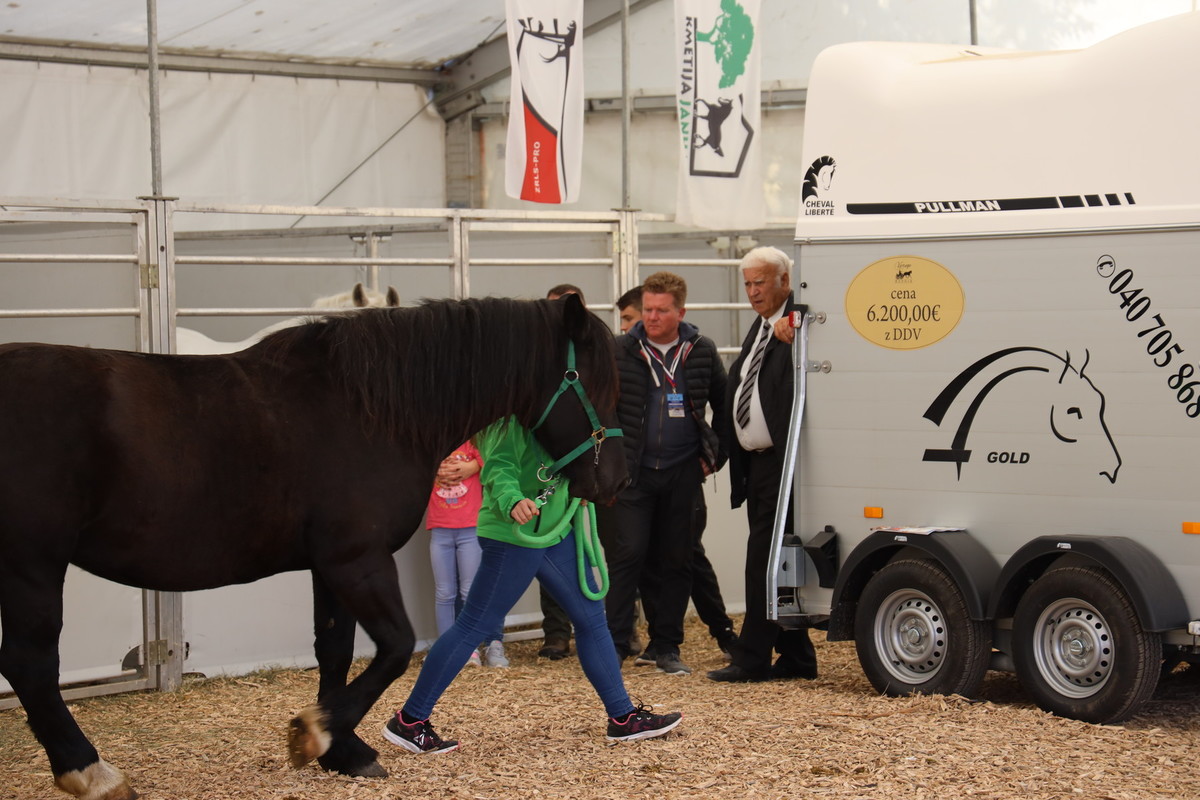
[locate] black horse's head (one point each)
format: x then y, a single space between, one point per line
582 421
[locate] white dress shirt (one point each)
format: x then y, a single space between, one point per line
756 436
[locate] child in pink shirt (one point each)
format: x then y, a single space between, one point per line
453 547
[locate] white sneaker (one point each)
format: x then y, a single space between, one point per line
474 661
493 654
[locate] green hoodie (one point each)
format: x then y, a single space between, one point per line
511 459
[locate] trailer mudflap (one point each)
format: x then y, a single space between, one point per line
1150 586
965 559
823 550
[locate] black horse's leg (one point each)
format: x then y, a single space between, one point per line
333 637
370 592
31 616
333 628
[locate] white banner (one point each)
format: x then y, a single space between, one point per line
720 165
544 155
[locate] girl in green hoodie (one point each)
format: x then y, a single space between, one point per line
525 529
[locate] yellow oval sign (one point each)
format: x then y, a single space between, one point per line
904 302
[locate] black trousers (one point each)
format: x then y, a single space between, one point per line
706 591
652 534
555 622
760 636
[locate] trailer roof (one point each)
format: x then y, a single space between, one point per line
940 139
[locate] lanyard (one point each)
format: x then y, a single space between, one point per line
651 355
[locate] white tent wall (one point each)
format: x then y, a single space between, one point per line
80 132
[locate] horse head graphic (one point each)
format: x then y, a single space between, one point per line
819 176
1075 415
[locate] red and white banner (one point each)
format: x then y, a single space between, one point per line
544 158
720 165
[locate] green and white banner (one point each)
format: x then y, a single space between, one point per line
720 175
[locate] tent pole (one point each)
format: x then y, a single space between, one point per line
155 126
626 103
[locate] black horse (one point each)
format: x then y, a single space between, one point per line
315 449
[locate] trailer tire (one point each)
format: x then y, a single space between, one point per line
914 634
1080 649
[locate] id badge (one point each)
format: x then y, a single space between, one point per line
675 404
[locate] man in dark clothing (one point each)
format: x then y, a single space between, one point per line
669 374
755 426
706 591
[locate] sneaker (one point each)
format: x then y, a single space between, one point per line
474 660
646 659
493 654
641 724
670 664
418 737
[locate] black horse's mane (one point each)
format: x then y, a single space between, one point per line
462 362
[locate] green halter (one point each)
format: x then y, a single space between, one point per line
599 432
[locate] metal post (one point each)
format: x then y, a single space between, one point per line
156 187
626 104
460 255
373 269
790 457
626 245
974 23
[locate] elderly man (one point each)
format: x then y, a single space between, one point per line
755 425
669 375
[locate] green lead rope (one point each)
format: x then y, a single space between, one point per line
588 555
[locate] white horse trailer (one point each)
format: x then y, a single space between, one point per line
1000 441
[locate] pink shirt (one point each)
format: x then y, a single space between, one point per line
457 506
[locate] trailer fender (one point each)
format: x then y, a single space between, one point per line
1151 588
972 568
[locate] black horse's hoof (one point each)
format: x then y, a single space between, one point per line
372 770
350 755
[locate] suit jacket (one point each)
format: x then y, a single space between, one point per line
775 389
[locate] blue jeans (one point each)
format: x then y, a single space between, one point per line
505 572
454 554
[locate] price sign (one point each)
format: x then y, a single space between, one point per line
904 302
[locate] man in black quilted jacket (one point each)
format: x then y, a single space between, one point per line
669 375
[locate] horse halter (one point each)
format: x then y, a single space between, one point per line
599 432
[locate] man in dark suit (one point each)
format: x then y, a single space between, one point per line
757 412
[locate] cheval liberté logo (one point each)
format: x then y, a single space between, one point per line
715 131
818 180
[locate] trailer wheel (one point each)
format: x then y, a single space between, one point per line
914 634
1079 647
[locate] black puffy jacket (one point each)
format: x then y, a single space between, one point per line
705 381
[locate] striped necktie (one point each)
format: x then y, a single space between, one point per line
751 375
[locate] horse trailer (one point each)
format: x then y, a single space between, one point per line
996 437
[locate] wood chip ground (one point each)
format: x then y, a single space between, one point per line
537 731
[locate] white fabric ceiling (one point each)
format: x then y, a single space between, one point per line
413 33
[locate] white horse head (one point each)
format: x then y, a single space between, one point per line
360 297
193 342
